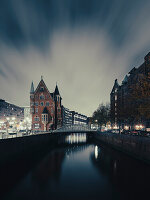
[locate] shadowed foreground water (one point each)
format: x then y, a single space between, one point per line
78 169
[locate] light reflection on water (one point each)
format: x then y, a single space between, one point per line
76 138
78 170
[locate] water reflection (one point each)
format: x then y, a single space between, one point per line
49 168
76 138
129 177
77 170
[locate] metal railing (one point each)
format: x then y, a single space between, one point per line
74 128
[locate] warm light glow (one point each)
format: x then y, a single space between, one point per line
139 126
126 127
115 127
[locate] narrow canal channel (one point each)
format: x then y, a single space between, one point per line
81 169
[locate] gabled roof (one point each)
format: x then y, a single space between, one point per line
42 83
32 88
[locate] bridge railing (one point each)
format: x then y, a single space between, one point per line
72 128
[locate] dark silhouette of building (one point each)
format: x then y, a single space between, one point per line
124 99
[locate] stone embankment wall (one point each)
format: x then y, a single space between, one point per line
13 148
136 146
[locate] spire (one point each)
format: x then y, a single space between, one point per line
116 83
32 88
41 77
56 90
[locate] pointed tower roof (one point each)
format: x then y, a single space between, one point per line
32 88
116 85
56 90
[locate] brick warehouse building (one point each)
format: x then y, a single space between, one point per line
45 107
124 100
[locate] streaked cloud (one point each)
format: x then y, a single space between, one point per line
83 45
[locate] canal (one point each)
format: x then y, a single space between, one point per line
76 168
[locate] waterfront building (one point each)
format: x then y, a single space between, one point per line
78 118
66 116
45 107
129 101
73 118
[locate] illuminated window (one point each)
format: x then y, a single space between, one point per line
36 126
36 110
115 97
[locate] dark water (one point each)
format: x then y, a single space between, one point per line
80 169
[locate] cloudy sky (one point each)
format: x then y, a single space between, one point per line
83 45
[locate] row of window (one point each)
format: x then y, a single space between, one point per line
42 103
44 118
37 110
40 96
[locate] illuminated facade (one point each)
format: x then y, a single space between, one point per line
72 117
45 108
8 111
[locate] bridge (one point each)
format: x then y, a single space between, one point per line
64 130
74 129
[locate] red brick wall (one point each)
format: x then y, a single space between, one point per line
36 100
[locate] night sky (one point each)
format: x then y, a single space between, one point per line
83 45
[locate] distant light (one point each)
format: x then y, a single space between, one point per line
13 118
126 127
115 127
139 126
7 118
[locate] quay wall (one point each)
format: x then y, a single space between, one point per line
136 146
13 148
